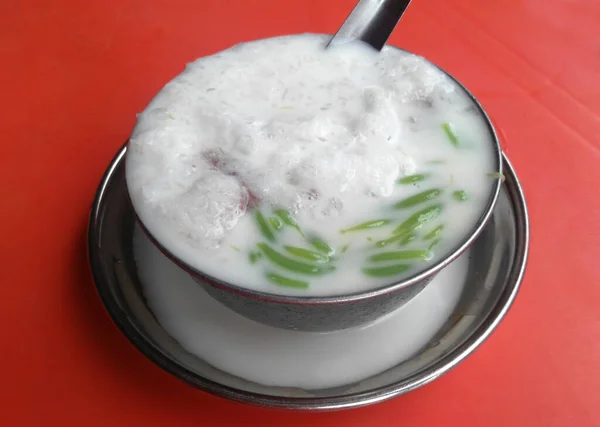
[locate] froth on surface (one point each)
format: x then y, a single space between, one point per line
277 357
323 134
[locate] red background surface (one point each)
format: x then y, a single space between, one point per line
73 75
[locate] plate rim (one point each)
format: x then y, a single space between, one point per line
450 360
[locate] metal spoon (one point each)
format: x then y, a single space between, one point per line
371 21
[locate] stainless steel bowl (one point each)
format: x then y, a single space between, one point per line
321 314
496 268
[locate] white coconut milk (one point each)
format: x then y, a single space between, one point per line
283 126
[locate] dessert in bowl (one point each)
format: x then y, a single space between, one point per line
309 188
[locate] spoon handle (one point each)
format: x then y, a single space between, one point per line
371 21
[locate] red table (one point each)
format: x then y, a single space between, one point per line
74 74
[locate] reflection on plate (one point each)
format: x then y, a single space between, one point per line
279 357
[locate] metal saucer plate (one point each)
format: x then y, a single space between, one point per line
496 268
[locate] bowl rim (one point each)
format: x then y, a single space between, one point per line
371 293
